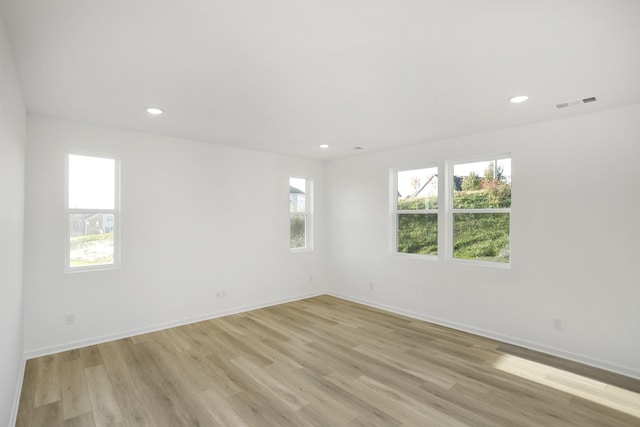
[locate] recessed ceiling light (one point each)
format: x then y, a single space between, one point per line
518 99
324 145
154 111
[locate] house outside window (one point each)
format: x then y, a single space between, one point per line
93 211
300 221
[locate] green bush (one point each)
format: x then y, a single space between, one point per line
481 236
497 195
476 236
418 234
471 182
297 229
417 203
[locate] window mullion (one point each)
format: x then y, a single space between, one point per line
88 211
417 212
482 211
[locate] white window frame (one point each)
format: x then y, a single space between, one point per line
450 211
115 212
394 212
308 214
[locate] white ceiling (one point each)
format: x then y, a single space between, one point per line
287 75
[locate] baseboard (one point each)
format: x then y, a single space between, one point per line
16 398
160 326
596 363
580 358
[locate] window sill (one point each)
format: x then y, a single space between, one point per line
300 250
402 255
489 264
92 268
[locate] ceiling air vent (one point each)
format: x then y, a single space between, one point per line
575 102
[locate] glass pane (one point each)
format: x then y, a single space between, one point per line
418 189
483 237
297 231
91 182
418 234
297 195
481 185
90 239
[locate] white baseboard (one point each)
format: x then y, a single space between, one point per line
16 397
580 358
160 326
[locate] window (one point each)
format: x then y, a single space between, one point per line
299 213
480 211
92 212
416 211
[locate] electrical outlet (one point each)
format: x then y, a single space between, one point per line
557 324
370 286
69 319
310 279
222 293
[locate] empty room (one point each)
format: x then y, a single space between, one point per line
319 213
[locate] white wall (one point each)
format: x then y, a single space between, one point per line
12 152
196 218
575 240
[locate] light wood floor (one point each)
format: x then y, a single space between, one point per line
319 362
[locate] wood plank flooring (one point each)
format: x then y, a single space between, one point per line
319 362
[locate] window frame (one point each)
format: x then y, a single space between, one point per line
115 212
451 211
394 213
308 214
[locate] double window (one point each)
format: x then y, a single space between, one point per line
300 205
477 211
93 212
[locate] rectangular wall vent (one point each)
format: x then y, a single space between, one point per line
575 102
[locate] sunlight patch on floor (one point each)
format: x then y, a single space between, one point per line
577 385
